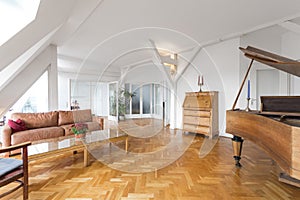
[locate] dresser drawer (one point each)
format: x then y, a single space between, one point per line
200 113
203 121
196 129
197 102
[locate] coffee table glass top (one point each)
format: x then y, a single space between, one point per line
103 135
67 142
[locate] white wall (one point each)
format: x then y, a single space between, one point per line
98 93
63 91
219 64
290 48
76 69
148 73
53 80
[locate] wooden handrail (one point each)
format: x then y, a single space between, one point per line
14 147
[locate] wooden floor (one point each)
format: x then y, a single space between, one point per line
189 177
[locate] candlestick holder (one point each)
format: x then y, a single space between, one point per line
248 103
200 82
200 85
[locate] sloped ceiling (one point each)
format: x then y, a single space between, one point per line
118 32
44 24
101 33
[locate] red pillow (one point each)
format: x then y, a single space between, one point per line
16 126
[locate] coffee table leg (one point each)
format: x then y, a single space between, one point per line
86 158
126 144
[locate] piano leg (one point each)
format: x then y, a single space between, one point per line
285 178
237 143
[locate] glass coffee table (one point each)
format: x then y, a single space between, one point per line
69 144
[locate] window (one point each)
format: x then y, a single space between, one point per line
35 99
136 99
15 15
146 99
146 102
113 99
157 100
127 99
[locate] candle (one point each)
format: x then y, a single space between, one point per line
248 92
200 80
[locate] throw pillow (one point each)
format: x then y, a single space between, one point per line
18 125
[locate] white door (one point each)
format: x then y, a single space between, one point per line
113 101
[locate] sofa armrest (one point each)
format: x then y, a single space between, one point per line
6 136
6 133
99 120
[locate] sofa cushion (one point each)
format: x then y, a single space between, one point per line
71 117
92 126
36 134
37 120
65 117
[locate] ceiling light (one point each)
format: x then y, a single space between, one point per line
170 61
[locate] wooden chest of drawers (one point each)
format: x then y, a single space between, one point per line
200 113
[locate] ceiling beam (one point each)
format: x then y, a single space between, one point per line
291 26
189 62
160 65
81 12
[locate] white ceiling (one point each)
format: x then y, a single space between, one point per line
117 32
105 33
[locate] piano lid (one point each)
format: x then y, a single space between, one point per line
273 60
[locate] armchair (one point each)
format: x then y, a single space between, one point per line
13 170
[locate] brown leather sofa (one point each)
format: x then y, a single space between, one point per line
48 125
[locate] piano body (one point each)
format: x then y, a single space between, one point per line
276 126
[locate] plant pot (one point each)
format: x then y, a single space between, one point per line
121 117
80 136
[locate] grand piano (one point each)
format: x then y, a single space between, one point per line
276 126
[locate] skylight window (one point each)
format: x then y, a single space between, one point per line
15 15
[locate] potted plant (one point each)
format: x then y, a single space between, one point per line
79 129
123 100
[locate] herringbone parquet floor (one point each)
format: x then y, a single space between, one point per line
189 177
